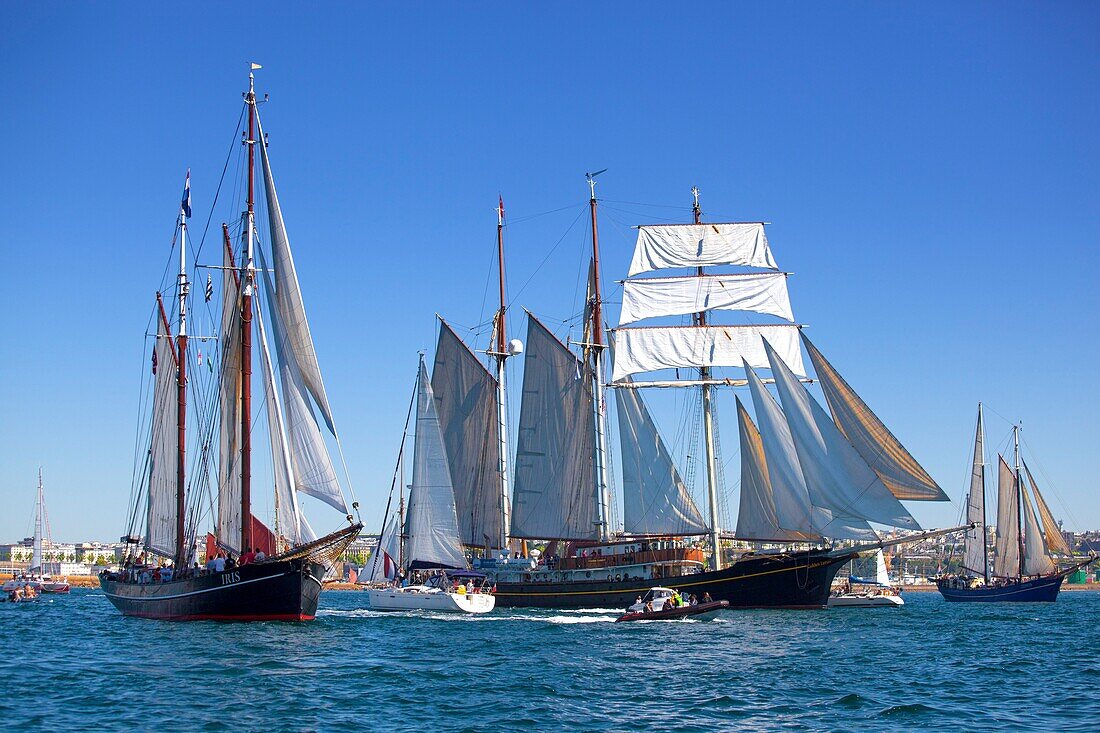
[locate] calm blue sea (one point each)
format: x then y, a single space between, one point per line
73 663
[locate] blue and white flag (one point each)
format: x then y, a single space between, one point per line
185 205
209 288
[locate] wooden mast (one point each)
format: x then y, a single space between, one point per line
181 379
502 401
246 326
708 422
597 347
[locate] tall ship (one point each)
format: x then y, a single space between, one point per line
253 572
1027 537
806 478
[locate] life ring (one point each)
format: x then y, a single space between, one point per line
618 578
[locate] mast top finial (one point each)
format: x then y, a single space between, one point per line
695 195
591 178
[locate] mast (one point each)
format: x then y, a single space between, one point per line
502 404
985 550
708 422
181 375
246 325
597 347
36 550
1019 496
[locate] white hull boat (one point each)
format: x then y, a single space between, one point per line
865 600
428 598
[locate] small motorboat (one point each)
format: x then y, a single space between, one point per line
658 604
454 592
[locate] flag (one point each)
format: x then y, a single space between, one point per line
256 66
500 208
209 288
154 361
200 358
185 205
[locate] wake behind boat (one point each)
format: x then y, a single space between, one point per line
252 572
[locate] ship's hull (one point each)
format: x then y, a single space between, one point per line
1038 590
286 590
789 580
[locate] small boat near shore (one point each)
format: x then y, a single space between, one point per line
35 578
866 592
661 604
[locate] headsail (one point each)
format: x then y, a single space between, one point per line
894 465
555 483
466 397
655 499
432 521
699 245
1006 560
1055 541
975 557
384 561
829 462
1037 560
756 515
229 463
160 534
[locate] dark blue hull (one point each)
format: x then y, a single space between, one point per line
1040 590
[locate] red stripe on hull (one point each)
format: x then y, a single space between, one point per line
229 617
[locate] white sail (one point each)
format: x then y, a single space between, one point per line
160 533
555 494
288 303
897 468
829 462
311 464
229 443
648 349
287 523
432 522
1055 541
1006 559
384 561
756 515
1037 559
974 556
466 397
672 296
698 245
799 507
882 575
655 499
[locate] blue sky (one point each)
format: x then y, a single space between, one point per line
932 171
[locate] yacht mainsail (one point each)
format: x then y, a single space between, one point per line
431 521
466 397
555 484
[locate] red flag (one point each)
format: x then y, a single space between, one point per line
500 207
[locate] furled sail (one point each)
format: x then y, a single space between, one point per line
1037 560
432 522
698 245
655 499
671 296
1006 560
229 444
466 397
160 534
1055 541
288 303
974 556
554 496
897 468
829 462
798 507
756 515
648 349
310 462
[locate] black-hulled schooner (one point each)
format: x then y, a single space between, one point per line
1023 568
806 478
161 577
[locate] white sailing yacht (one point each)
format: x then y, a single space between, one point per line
36 577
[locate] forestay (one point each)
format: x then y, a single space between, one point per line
699 245
757 518
650 349
1006 560
432 522
229 442
555 484
672 296
830 465
466 397
798 507
160 534
655 499
894 465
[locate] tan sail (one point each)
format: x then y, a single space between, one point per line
1055 541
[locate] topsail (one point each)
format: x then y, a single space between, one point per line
699 245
